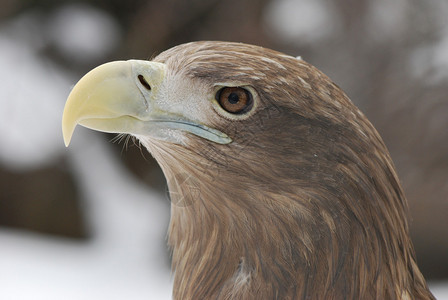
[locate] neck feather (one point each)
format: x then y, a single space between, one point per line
247 240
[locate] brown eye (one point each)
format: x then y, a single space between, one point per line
235 100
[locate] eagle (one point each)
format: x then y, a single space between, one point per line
280 187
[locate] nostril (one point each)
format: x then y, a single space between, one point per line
143 81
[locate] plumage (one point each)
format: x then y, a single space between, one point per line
294 196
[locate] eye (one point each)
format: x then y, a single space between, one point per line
234 100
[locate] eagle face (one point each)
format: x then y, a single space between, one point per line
281 187
289 116
208 89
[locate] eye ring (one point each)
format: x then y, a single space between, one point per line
235 100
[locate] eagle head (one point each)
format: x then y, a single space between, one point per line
280 187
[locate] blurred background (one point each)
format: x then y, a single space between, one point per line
90 221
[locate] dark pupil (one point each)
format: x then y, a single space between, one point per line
233 98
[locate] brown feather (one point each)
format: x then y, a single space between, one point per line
303 204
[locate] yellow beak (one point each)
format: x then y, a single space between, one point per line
121 97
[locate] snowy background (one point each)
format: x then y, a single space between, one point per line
390 56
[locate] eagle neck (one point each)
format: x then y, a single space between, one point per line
249 241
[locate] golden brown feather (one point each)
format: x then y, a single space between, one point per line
304 203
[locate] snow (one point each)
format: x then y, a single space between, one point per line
301 22
429 61
31 98
37 267
80 31
126 258
386 20
439 289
